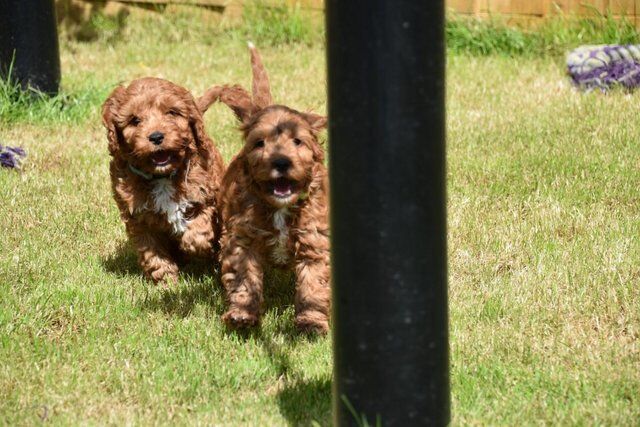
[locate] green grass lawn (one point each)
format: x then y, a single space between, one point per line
544 219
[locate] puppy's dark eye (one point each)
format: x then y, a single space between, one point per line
135 121
173 112
258 144
297 141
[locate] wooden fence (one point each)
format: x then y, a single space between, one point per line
538 10
542 8
514 10
80 10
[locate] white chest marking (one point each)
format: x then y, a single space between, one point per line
280 252
164 203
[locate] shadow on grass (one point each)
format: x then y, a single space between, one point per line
279 290
300 401
124 263
179 300
303 402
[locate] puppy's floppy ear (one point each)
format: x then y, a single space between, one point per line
316 121
235 97
318 152
197 127
109 113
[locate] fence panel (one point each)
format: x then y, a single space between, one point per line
544 7
518 11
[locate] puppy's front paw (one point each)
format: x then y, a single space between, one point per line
312 323
198 243
164 276
238 318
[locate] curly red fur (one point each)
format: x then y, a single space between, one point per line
167 191
274 207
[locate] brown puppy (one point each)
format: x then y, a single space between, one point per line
165 174
275 205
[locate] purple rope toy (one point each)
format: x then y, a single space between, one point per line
11 157
605 66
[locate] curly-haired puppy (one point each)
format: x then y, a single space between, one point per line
165 174
275 205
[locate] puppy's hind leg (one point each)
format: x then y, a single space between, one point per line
242 276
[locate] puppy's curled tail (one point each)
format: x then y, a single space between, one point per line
235 97
209 97
261 90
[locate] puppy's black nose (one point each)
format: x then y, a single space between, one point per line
281 164
156 137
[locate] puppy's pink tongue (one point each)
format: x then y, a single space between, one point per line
161 157
282 187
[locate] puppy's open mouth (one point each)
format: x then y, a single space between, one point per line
283 187
161 158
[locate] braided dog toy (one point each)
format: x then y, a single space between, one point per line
605 66
11 157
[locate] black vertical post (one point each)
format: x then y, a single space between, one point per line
386 73
29 44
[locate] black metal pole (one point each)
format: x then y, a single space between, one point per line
29 44
388 216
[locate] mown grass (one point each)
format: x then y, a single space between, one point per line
18 104
278 24
544 219
544 216
553 38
